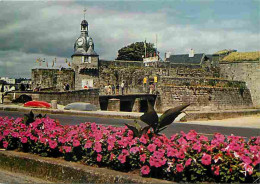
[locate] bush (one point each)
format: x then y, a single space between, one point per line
183 157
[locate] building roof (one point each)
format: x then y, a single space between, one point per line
91 52
80 52
242 56
185 59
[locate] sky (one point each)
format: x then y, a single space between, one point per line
49 29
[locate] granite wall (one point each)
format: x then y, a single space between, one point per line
64 98
248 71
202 98
53 79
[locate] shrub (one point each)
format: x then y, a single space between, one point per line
183 157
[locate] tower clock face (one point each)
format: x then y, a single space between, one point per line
80 41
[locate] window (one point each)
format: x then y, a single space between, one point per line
82 59
87 59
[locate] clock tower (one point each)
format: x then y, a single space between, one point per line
85 61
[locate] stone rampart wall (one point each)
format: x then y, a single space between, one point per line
53 78
187 81
248 71
203 98
64 98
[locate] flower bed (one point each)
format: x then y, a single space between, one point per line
182 157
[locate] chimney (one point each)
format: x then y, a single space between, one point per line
167 55
191 54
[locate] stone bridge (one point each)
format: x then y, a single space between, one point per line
128 102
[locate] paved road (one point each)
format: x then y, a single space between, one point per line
174 128
13 177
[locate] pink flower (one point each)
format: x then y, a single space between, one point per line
15 134
179 167
158 142
76 143
188 162
215 169
206 159
99 157
197 146
246 159
5 144
110 147
67 149
180 155
191 135
61 139
6 132
134 150
88 144
143 140
203 138
24 140
112 156
182 141
151 147
171 152
98 147
143 157
249 169
125 152
158 154
122 158
145 170
53 144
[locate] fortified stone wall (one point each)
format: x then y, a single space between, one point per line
187 81
244 71
64 98
202 98
46 78
65 76
53 79
114 72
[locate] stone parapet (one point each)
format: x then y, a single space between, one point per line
58 170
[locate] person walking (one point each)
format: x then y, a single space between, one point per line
122 87
2 94
117 89
113 89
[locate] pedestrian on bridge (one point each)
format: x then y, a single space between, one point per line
122 87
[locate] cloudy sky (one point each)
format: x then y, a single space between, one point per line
47 29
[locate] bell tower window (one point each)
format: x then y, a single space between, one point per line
82 59
87 59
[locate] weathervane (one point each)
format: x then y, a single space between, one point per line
85 10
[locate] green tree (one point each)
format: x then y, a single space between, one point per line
135 51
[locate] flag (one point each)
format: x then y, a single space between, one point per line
66 61
37 60
40 63
43 60
69 64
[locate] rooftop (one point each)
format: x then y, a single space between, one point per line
242 56
185 59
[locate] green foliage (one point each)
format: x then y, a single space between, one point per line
138 130
29 118
153 121
135 51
